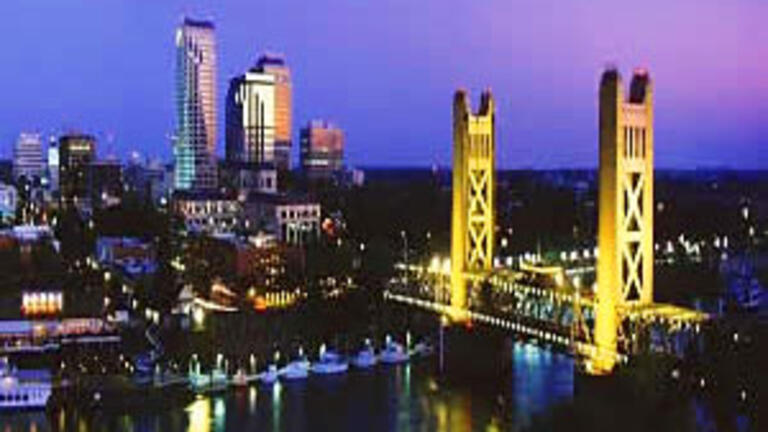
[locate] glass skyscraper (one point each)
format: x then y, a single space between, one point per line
195 142
275 65
259 114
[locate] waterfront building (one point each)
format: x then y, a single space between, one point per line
76 153
294 219
208 211
322 150
195 142
265 263
28 157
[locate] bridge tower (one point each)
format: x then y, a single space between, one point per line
625 225
474 188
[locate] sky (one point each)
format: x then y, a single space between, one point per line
386 70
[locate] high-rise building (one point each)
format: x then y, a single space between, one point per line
251 118
625 222
28 157
276 66
53 165
195 144
76 153
322 150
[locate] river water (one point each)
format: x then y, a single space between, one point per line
410 397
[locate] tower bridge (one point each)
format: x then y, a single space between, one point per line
602 325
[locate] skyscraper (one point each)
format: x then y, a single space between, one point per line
276 66
251 119
28 157
76 153
53 165
322 150
195 145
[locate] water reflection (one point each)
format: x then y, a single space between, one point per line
199 413
541 379
403 398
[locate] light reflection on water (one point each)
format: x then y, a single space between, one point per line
405 398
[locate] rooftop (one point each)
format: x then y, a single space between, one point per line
279 199
191 22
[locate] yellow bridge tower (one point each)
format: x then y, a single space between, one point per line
474 188
625 225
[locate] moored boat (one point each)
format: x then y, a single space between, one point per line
365 358
23 390
329 363
393 353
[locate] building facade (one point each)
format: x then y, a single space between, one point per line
322 150
76 153
195 142
250 119
53 165
28 157
292 219
275 65
242 178
209 212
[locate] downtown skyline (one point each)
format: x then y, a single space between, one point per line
386 72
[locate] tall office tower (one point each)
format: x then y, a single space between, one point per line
195 146
53 165
276 66
625 223
322 150
474 189
28 157
251 118
76 153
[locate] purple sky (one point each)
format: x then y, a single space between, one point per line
385 71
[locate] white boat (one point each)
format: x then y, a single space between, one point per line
393 353
198 380
296 370
216 379
240 379
423 349
23 390
365 358
329 363
219 378
269 376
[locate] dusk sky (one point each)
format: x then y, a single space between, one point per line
385 71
